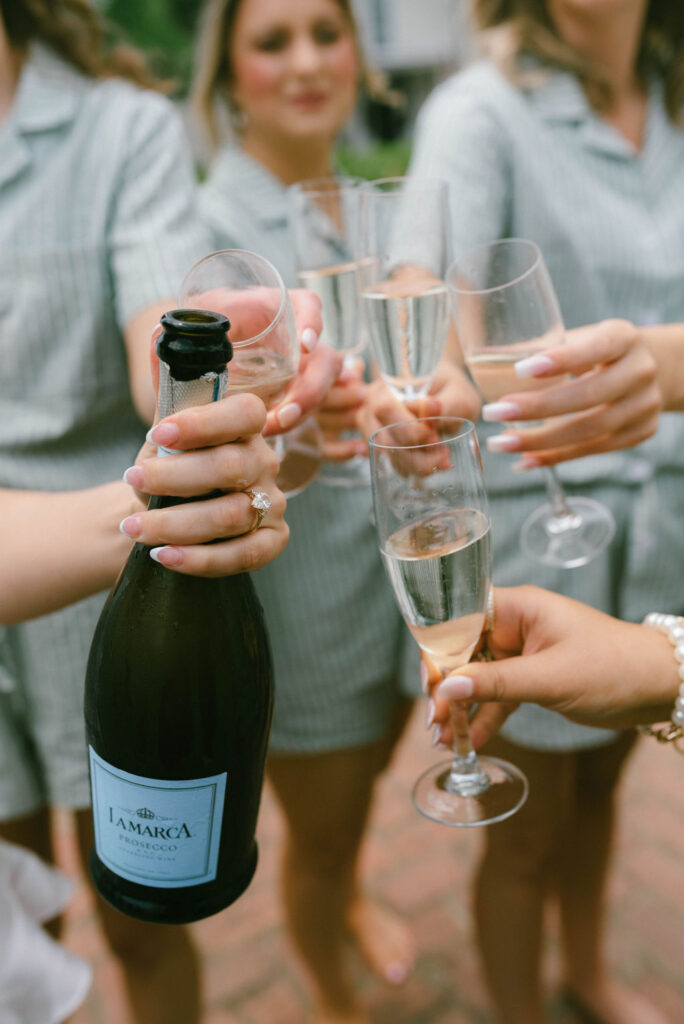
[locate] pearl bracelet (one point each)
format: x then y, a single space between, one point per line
673 628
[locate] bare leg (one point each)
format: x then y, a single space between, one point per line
583 872
513 881
159 962
382 938
326 799
34 831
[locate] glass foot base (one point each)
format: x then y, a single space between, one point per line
568 541
505 794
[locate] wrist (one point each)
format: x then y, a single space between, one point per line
672 628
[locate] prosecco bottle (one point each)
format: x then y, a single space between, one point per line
178 702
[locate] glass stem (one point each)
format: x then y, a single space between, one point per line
563 516
466 777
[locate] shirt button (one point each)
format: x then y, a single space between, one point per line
639 470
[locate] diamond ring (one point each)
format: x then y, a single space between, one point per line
261 503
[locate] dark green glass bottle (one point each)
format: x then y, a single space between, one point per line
178 702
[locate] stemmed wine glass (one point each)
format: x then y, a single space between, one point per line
506 309
438 558
324 225
249 290
403 253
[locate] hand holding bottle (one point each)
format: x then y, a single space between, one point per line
221 450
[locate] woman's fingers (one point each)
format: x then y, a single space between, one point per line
605 428
223 516
202 426
307 311
227 467
317 373
336 450
585 347
246 553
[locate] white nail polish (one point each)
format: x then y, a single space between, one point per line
503 443
289 414
533 366
500 411
309 339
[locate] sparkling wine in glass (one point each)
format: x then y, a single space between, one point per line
324 226
403 255
437 552
249 290
506 309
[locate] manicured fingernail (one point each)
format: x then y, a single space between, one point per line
396 972
456 688
134 476
163 433
430 713
131 526
533 366
436 736
500 411
289 414
423 677
524 464
347 373
503 443
309 339
167 556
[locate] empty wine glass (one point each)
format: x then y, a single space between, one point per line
438 558
324 226
403 255
506 309
249 290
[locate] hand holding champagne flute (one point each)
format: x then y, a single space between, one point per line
435 543
266 351
507 311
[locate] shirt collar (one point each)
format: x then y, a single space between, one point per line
559 98
234 172
47 94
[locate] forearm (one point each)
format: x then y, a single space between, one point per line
666 342
60 548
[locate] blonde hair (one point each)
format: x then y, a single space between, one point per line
213 71
75 32
513 27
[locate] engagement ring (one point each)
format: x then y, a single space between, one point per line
261 503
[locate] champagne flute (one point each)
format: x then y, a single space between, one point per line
249 290
506 309
324 225
438 558
403 255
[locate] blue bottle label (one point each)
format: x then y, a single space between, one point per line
156 832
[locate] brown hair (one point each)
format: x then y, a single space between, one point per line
213 71
513 27
75 32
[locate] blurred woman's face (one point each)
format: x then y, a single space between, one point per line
295 67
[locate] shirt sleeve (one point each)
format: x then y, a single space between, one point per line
155 233
459 139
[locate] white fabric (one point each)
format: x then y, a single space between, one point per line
41 982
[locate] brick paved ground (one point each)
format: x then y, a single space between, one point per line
422 870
